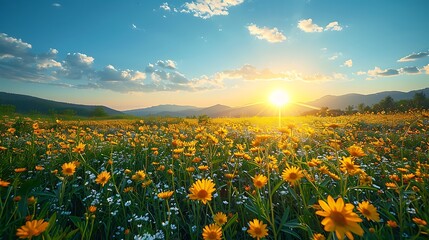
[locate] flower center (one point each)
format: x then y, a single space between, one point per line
293 176
212 235
338 218
366 212
258 231
202 193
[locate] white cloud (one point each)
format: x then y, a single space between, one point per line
307 25
13 46
56 5
167 64
272 35
409 70
333 26
382 72
208 8
378 72
414 56
165 7
335 56
426 68
360 73
348 63
77 66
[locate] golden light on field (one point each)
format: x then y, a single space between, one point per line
279 97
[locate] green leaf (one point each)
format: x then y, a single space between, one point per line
230 221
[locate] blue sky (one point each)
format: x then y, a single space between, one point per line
132 54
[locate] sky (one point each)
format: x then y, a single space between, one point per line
140 53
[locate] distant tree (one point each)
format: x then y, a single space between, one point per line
419 100
386 104
361 107
98 112
349 109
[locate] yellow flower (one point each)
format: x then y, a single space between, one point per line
202 190
139 176
68 168
259 181
103 178
419 221
220 218
369 211
32 229
292 175
257 229
4 183
79 148
212 232
339 217
356 151
92 209
20 170
39 168
318 236
392 224
348 166
165 195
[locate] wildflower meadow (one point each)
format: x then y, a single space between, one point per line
348 177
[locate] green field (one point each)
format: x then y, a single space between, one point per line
361 176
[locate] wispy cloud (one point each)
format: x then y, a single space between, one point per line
208 8
426 68
56 5
165 7
307 25
272 35
414 56
389 72
348 63
249 72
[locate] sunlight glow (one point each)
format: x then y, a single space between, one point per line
279 98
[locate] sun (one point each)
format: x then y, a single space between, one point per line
279 97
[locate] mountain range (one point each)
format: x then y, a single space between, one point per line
27 104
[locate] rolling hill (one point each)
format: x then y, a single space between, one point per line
27 104
342 101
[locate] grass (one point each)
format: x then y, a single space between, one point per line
148 157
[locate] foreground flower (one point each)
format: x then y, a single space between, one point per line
356 151
212 232
68 169
80 148
369 211
220 218
339 217
165 195
103 178
257 229
348 166
202 190
259 181
292 175
318 236
32 229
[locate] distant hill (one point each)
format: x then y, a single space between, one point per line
341 102
28 104
161 110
